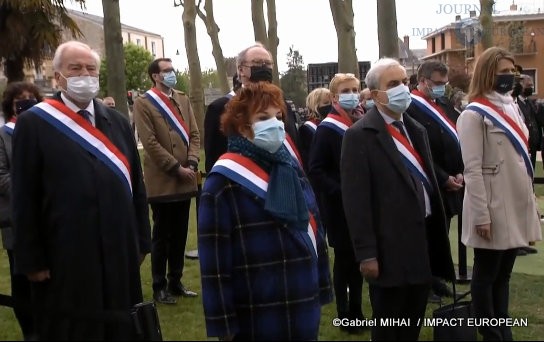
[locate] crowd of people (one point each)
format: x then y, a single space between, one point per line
374 176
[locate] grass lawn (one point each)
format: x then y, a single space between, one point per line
185 321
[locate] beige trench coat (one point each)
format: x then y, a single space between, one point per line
498 189
165 149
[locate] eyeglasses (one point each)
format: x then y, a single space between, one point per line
267 64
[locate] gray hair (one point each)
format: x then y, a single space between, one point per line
242 55
57 59
373 75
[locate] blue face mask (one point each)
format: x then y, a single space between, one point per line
369 104
169 79
399 98
348 101
438 91
269 134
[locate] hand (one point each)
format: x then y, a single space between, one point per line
186 173
38 276
460 179
369 269
452 184
484 231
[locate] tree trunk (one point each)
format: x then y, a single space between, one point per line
273 40
342 15
259 25
486 20
115 55
217 51
14 69
388 38
195 73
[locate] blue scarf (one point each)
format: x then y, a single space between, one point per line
284 197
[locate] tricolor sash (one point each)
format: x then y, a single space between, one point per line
293 151
79 130
9 126
436 113
411 158
512 130
312 125
167 110
251 176
337 123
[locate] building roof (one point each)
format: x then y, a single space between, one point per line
505 16
409 54
441 52
100 21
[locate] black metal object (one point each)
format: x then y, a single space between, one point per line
193 254
462 277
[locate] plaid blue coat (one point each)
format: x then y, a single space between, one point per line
260 280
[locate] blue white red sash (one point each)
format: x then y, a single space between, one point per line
411 158
436 113
80 131
167 110
337 123
251 176
9 126
512 130
293 151
312 125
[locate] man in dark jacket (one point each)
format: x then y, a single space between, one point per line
389 191
254 65
432 109
80 207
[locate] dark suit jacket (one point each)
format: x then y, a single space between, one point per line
446 153
384 215
215 142
530 115
76 218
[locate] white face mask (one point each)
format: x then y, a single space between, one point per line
82 88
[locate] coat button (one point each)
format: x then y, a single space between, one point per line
173 145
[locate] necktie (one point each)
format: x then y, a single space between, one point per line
86 115
400 126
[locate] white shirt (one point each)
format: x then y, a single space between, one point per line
72 106
389 120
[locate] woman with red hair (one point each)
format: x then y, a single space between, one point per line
263 259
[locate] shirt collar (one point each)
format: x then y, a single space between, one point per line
72 106
389 120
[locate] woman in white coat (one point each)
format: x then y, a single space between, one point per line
499 210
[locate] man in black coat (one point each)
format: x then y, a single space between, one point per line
431 109
80 207
389 191
254 65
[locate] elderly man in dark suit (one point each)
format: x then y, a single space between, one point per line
389 191
80 207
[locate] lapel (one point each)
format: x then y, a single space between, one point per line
102 119
376 122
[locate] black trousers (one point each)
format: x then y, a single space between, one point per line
169 237
405 302
346 275
490 289
21 291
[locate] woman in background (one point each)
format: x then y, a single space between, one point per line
318 104
18 97
499 209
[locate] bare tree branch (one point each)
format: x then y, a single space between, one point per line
179 4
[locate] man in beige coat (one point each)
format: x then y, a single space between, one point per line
169 134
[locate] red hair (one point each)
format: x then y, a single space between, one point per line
251 99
